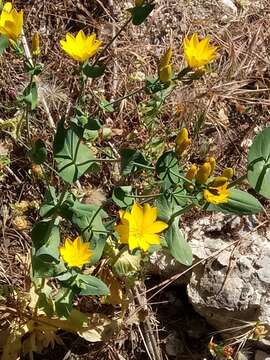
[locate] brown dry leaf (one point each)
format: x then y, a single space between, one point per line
100 328
114 285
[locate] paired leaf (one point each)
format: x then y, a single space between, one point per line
131 161
73 158
167 168
120 196
259 163
30 95
64 302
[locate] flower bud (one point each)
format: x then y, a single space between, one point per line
36 44
165 74
212 162
203 173
139 3
191 173
182 141
228 173
165 68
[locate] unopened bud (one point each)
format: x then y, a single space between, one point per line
36 44
203 173
212 162
228 173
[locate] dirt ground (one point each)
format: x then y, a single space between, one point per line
233 100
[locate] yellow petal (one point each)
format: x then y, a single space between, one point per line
156 227
149 215
137 214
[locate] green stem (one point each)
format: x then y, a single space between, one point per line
180 212
237 181
144 166
182 177
125 96
111 41
145 196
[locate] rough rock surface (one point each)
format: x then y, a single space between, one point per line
233 284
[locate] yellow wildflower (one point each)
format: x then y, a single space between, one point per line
203 173
165 68
36 44
76 253
140 227
217 191
81 47
182 141
11 22
228 173
198 53
212 162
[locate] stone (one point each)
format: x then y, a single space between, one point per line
233 285
260 355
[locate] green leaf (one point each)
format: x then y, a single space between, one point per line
64 302
3 43
30 95
44 269
139 14
38 153
169 203
178 246
131 161
259 163
120 197
46 239
90 285
93 71
50 201
73 158
106 106
89 221
167 168
239 203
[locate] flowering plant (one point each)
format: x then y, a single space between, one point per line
109 251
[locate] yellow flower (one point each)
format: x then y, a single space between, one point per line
81 47
76 253
199 53
182 141
165 68
11 22
203 173
140 228
36 44
217 191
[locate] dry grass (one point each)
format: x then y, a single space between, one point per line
234 100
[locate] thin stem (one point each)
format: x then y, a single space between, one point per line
182 177
237 181
180 212
125 96
145 196
111 41
144 166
